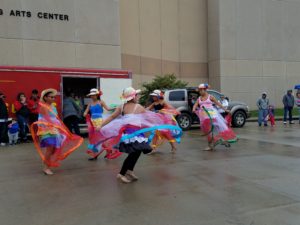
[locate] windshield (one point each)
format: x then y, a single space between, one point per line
217 95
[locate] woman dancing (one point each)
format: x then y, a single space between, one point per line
159 105
53 141
95 109
212 123
126 129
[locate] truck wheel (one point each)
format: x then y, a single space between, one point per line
239 119
184 121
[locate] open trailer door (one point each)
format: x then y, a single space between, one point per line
112 89
79 86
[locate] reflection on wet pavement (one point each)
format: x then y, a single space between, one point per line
255 182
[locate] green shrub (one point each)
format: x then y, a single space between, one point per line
160 82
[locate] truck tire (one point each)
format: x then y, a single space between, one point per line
239 119
184 121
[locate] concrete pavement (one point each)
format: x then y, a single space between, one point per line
256 182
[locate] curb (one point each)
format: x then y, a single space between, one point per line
276 119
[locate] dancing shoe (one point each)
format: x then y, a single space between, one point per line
210 147
48 172
132 176
173 150
123 179
93 158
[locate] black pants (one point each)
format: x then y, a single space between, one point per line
23 124
288 110
130 162
33 118
3 132
72 123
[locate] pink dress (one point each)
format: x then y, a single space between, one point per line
213 124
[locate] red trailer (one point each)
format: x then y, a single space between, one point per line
15 79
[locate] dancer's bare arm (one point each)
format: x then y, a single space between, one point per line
196 105
87 110
214 100
115 114
105 106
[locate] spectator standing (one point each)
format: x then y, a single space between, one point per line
288 103
3 120
22 113
71 114
298 102
78 102
33 104
263 109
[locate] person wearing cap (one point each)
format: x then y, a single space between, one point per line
3 120
53 141
263 107
288 101
158 105
95 108
212 123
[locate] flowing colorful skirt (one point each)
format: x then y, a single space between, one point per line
134 144
161 136
215 127
96 149
50 134
128 133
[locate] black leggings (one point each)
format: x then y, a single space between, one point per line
3 132
72 123
130 162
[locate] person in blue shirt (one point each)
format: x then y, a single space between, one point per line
95 109
13 133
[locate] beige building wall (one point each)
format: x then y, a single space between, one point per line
254 47
163 37
89 39
242 47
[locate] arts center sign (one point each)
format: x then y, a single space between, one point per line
52 16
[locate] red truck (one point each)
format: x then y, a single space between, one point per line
15 79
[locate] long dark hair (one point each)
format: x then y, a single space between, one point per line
19 96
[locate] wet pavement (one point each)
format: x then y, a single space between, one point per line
256 182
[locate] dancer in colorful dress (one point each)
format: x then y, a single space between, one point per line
212 122
126 128
159 105
53 141
95 108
